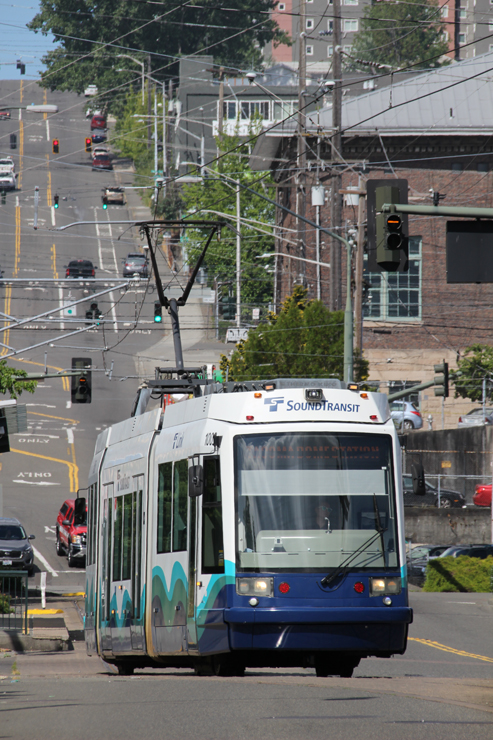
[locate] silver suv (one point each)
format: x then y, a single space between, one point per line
16 551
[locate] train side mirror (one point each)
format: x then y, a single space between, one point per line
79 511
418 475
195 481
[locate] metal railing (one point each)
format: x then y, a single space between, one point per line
14 601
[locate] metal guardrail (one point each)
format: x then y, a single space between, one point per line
14 601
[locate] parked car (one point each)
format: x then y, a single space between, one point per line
98 122
91 90
4 115
99 149
71 531
470 551
482 496
406 415
476 418
115 195
98 137
418 557
448 498
80 269
136 264
7 164
16 551
7 180
101 162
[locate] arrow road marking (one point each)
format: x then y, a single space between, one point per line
44 562
36 483
49 529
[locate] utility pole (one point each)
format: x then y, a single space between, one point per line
220 113
358 297
238 257
336 201
149 103
300 177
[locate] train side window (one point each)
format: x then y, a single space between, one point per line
212 521
164 507
127 537
180 505
117 539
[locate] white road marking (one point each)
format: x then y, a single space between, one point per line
47 129
44 405
70 436
36 483
20 114
68 405
53 222
17 201
111 257
44 562
49 529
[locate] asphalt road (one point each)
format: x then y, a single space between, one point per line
50 462
442 688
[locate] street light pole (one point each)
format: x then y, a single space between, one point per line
142 64
238 257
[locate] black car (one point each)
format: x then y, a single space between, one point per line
16 551
470 551
80 269
448 499
136 263
98 137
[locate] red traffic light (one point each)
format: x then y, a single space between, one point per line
56 145
88 144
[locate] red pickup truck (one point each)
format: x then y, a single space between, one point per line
71 531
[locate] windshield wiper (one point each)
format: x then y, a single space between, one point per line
343 567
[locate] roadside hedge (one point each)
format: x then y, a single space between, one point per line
4 604
462 574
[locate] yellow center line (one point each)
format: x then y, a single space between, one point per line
53 267
447 649
73 470
17 240
48 416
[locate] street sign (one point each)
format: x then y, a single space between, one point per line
469 252
69 311
209 296
255 314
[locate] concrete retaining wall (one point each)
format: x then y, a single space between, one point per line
447 526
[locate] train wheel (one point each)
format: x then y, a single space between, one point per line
228 665
125 669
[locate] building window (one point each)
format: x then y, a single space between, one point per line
350 25
490 26
309 51
251 108
330 26
350 2
444 11
396 296
229 110
445 36
462 38
347 49
462 13
284 109
330 51
491 47
309 23
281 7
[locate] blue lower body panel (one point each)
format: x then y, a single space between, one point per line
366 631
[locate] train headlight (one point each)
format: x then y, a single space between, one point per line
384 586
255 586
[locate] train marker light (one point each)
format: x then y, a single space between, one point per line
249 418
284 588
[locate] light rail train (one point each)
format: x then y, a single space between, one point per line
253 524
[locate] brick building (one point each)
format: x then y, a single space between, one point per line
435 131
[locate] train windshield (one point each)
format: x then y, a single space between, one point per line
307 501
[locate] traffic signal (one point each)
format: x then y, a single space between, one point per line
387 232
23 69
4 197
94 313
441 381
56 145
13 141
158 312
105 202
81 391
228 307
55 201
88 145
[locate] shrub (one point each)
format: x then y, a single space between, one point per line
5 604
462 574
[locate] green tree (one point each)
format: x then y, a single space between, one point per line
11 381
475 364
397 34
217 195
91 35
304 340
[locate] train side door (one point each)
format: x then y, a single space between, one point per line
170 585
138 562
210 584
106 539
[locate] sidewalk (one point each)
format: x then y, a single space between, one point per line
51 629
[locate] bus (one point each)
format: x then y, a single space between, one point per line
255 524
